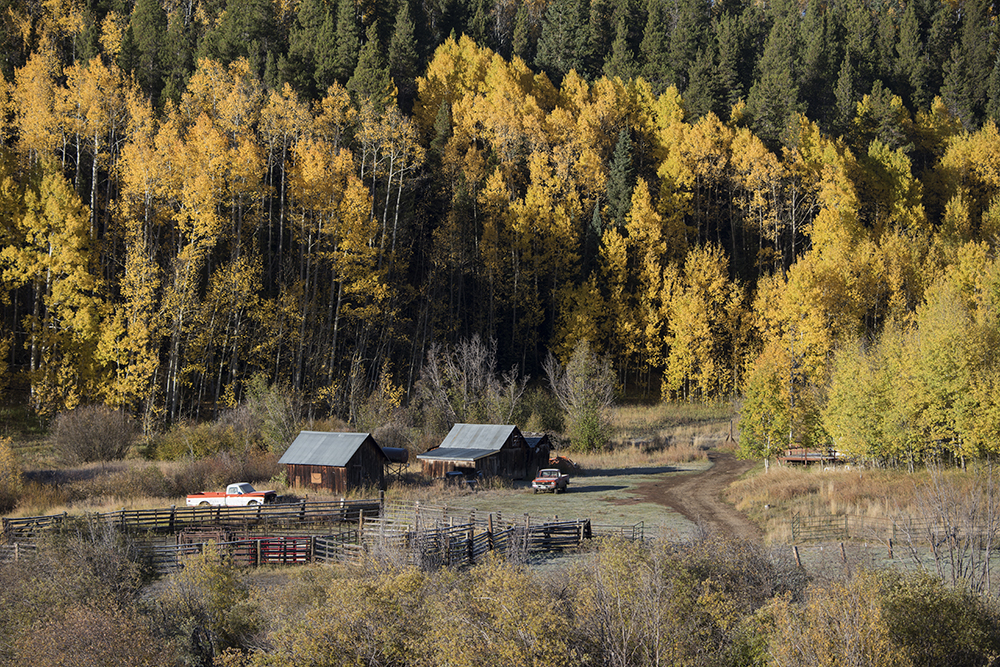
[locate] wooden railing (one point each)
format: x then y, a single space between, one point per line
176 519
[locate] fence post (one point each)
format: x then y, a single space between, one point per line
471 536
843 554
173 516
302 512
312 549
890 548
798 562
489 532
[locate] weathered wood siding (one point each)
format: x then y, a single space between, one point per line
366 468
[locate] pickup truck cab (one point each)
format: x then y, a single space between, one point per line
240 494
550 479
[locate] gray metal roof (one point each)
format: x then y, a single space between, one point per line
322 448
489 437
454 454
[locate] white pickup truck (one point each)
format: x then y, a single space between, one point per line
240 494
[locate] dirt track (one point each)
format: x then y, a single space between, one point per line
698 496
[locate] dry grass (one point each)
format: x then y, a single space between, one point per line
787 490
640 456
669 421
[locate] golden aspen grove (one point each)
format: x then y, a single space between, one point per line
793 203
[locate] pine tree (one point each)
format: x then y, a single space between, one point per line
967 72
911 64
621 63
688 37
562 43
371 81
774 98
403 59
656 65
621 180
348 42
147 30
702 93
307 45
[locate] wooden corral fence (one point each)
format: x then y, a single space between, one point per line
855 527
175 519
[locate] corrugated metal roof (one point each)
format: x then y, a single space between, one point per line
488 437
454 454
323 448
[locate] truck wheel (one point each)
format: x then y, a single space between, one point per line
253 502
204 503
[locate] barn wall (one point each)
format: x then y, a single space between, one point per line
318 478
366 467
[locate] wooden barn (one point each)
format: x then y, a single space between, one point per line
493 451
540 448
335 462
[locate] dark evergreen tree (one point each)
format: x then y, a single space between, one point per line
371 81
688 37
911 62
345 57
774 97
563 39
248 29
817 76
148 29
403 62
966 73
326 71
179 54
702 95
941 37
730 53
621 62
621 180
307 44
655 61
993 93
602 30
846 100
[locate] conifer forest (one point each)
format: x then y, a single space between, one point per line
795 202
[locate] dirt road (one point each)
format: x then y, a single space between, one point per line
698 496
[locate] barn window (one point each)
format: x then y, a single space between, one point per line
317 478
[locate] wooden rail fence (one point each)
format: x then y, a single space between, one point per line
175 519
856 527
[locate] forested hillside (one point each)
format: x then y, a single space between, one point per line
798 201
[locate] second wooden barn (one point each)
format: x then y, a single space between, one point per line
480 448
335 462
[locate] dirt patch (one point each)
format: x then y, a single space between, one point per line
697 496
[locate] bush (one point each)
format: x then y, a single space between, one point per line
11 484
93 433
188 440
215 472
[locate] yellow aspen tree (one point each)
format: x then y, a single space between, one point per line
130 339
758 175
457 69
893 195
494 199
706 318
545 234
94 105
34 98
52 254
